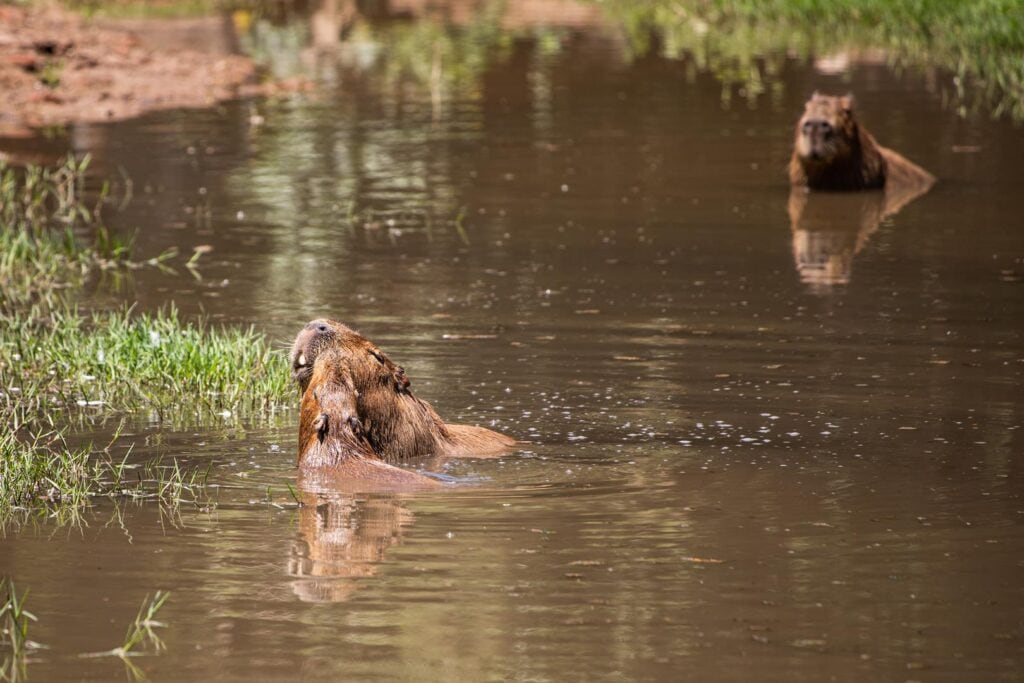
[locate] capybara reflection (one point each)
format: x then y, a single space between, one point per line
334 453
342 539
829 229
832 151
396 423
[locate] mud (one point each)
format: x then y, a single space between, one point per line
58 68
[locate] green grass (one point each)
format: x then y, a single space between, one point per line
980 42
122 362
53 357
15 619
57 362
42 468
14 623
42 212
43 472
141 630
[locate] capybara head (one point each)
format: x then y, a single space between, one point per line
312 339
827 131
366 363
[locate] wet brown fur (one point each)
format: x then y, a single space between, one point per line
397 424
334 452
832 151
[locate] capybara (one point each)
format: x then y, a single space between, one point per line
334 453
396 423
832 151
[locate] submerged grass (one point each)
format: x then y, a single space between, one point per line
742 41
14 623
42 210
140 631
15 619
43 468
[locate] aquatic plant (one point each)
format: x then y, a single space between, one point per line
14 622
44 468
123 362
42 213
141 629
56 361
53 357
44 472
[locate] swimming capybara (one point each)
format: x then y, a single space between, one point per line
334 453
832 151
396 423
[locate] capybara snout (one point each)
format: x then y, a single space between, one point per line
316 336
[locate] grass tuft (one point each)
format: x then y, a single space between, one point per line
123 362
57 362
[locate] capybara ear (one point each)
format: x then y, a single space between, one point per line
401 380
846 102
320 425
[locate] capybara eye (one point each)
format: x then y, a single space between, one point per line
378 355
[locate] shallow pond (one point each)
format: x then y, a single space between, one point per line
754 448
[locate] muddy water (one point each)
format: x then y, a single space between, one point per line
764 440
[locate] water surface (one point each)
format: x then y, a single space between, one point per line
755 448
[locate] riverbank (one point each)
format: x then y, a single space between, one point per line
57 67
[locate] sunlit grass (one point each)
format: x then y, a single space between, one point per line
43 212
43 468
57 362
123 362
14 623
15 620
141 630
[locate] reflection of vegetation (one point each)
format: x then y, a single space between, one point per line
141 630
980 41
433 53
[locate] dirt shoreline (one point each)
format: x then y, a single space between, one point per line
57 68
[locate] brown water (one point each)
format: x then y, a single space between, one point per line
756 451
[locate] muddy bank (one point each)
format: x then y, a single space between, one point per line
56 68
